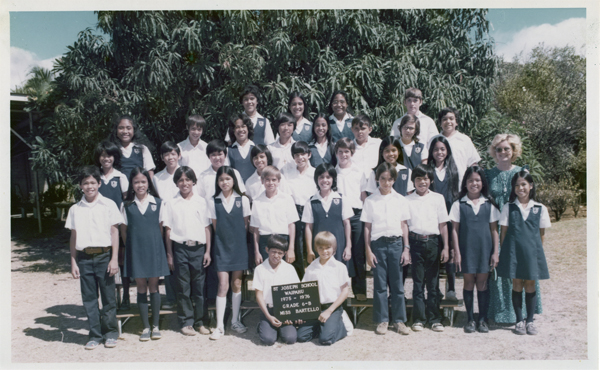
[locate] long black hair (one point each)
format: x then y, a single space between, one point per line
130 197
451 170
527 177
138 136
297 94
385 142
484 184
327 134
228 170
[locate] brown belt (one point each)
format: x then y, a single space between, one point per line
96 250
422 237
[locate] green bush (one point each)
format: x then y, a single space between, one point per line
558 196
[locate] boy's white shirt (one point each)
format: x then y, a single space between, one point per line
254 186
351 181
164 184
273 215
332 276
265 277
302 185
282 154
366 157
427 212
187 218
455 210
194 156
544 217
385 213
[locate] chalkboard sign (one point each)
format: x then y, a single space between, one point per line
298 301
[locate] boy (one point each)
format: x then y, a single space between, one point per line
413 99
94 245
217 154
273 271
193 149
366 154
273 212
428 218
250 100
333 279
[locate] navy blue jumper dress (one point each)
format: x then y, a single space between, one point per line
136 159
231 251
112 190
243 165
259 131
475 238
304 135
336 134
315 156
414 159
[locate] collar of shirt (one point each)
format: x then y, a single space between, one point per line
165 175
187 145
126 150
98 200
277 144
332 195
149 199
300 125
530 204
263 196
178 197
330 263
346 116
233 196
114 173
248 143
370 142
400 167
255 118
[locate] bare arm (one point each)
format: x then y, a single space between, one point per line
444 233
256 236
348 233
542 232
371 259
324 316
208 231
73 249
405 258
494 230
308 232
123 228
457 256
169 243
113 265
263 307
291 255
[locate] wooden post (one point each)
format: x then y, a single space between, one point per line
35 180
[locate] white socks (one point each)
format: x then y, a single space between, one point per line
236 301
221 303
347 323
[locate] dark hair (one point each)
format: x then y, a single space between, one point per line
422 170
87 171
297 94
284 117
386 167
300 147
111 149
276 241
138 136
184 170
130 197
451 170
342 93
484 184
362 120
447 110
261 148
385 142
246 120
168 147
228 170
327 133
344 143
215 146
413 92
408 118
330 169
527 177
251 89
195 120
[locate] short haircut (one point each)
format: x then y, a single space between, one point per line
422 170
447 110
513 140
271 171
413 92
246 120
216 146
297 94
300 147
284 117
361 120
168 147
111 149
277 241
195 120
524 174
251 89
261 148
345 143
87 171
326 168
325 239
386 167
411 118
187 171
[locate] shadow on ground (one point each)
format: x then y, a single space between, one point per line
63 321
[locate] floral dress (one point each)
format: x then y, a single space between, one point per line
501 309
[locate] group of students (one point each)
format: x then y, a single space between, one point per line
323 193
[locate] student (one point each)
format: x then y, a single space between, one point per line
193 149
250 100
321 147
298 108
367 147
475 233
340 121
522 225
413 99
94 246
386 243
300 178
133 144
413 151
333 280
351 181
240 128
428 221
145 259
230 214
273 271
188 238
391 152
281 148
273 212
261 158
217 152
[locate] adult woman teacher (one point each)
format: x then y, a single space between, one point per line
505 149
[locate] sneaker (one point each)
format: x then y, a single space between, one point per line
237 326
417 326
168 306
203 330
438 327
361 297
531 329
451 295
381 328
92 344
520 328
155 333
188 330
401 328
110 343
145 335
483 327
470 327
218 333
125 304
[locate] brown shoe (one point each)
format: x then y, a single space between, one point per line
401 328
203 330
381 328
188 330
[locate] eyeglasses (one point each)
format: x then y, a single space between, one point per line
500 150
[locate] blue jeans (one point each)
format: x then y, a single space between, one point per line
329 332
388 252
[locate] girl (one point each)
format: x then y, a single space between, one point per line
240 128
281 148
321 146
475 218
145 258
412 150
297 107
522 225
391 152
230 214
133 144
445 182
261 158
340 121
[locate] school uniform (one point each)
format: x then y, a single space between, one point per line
263 133
341 128
113 186
474 235
254 186
402 185
92 223
240 159
303 131
320 153
332 278
427 212
135 155
164 184
464 152
427 126
413 153
231 253
522 253
194 156
367 156
187 220
206 183
282 154
442 186
272 216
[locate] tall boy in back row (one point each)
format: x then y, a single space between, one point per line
413 99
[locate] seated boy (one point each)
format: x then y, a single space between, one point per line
94 248
413 99
273 271
193 149
333 279
366 154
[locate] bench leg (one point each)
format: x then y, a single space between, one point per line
451 315
360 312
119 325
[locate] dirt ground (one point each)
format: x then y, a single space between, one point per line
49 325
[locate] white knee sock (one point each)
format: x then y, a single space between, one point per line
221 303
347 323
236 301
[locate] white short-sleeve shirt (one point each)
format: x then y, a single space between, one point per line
265 277
455 210
282 154
427 213
206 182
428 128
372 183
351 181
246 210
544 217
332 277
307 214
254 186
302 185
385 213
194 156
164 184
367 156
143 206
122 179
273 215
187 218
